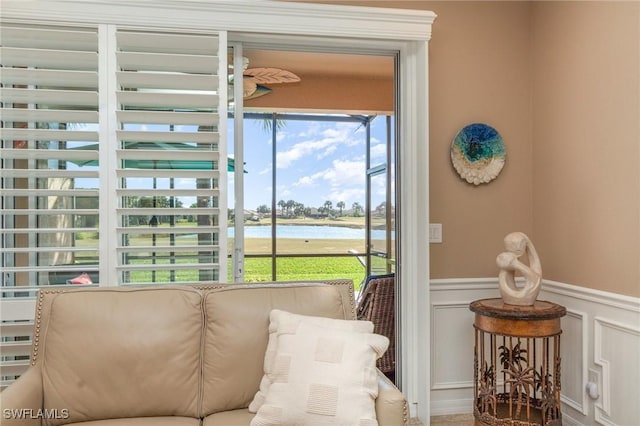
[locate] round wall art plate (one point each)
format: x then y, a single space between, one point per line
477 153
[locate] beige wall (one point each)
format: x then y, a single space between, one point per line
586 139
479 72
561 82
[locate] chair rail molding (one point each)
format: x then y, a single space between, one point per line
317 27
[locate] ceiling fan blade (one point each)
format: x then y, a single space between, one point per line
260 91
249 86
271 75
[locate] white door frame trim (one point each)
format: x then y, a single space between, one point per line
369 29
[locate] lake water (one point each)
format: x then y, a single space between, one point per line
308 232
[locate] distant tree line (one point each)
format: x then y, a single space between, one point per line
292 208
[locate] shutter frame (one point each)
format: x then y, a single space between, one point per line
169 115
69 119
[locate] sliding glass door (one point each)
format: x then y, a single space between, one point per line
314 196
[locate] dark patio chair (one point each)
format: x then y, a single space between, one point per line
376 303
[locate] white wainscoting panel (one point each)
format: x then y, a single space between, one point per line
573 362
611 355
600 342
617 352
452 338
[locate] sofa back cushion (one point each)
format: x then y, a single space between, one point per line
237 331
115 353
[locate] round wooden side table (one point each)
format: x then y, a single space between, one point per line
517 363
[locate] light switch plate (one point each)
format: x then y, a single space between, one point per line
435 232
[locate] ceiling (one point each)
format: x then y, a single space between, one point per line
323 64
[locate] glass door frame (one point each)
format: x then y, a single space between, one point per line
372 171
412 213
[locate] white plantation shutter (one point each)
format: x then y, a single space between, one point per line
171 226
48 189
111 164
49 98
111 159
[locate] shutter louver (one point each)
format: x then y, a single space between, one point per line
170 225
48 154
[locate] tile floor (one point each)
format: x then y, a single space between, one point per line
452 420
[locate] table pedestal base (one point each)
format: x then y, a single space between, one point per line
517 364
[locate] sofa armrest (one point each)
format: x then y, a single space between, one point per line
22 401
391 404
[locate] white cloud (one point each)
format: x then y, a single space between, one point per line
265 171
285 158
348 196
327 152
343 181
306 181
312 130
333 132
346 172
379 151
282 192
281 135
332 138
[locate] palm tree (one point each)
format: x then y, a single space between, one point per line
282 205
357 209
328 205
520 375
340 205
298 209
267 124
290 205
520 379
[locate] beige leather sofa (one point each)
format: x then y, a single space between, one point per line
163 355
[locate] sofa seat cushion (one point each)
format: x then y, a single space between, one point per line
241 417
123 353
144 421
237 331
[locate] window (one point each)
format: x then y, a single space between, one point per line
307 212
111 161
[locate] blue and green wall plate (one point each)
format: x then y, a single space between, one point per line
478 153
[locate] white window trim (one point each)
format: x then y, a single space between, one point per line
407 31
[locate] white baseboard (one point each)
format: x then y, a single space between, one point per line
569 421
600 342
453 406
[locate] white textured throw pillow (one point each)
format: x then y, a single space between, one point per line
321 376
274 318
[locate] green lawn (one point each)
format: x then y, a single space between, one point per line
256 269
259 270
304 269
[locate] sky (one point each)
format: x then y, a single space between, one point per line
316 161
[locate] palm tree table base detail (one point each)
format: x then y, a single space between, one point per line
517 363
